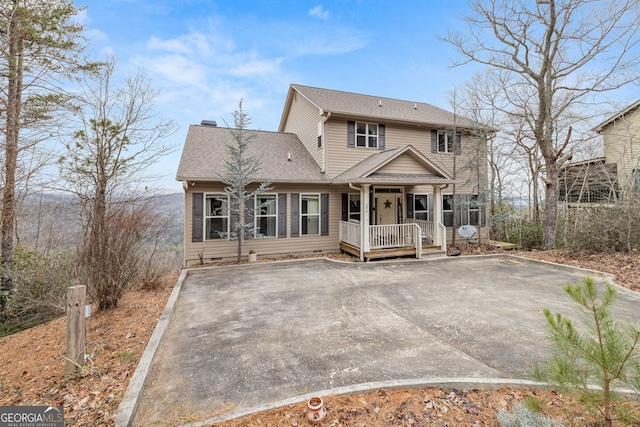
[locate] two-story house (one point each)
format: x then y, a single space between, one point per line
367 175
605 179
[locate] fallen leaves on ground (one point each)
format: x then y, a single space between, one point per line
32 368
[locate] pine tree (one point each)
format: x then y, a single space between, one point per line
604 353
241 168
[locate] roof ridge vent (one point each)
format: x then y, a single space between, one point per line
208 123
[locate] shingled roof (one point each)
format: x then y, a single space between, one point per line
374 107
205 150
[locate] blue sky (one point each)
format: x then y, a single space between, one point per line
203 56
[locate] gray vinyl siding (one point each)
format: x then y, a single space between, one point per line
271 247
303 120
403 164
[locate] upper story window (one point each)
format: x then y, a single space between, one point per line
367 135
443 141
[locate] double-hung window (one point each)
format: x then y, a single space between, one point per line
420 207
266 215
354 207
447 210
216 216
367 135
474 210
445 142
310 214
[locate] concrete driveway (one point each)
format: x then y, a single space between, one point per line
242 338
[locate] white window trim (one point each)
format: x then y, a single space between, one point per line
257 216
303 215
367 135
358 212
416 211
207 217
449 142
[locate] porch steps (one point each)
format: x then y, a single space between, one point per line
390 252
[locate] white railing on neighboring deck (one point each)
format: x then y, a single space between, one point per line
426 227
395 236
350 233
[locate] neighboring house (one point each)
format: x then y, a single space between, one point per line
617 174
368 175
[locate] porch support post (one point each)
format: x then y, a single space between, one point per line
365 208
437 216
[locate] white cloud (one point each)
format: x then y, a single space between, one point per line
319 12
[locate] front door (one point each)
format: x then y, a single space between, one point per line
386 208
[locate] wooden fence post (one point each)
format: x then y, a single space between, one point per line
76 327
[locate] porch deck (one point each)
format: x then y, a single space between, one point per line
413 238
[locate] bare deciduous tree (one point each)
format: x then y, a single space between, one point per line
120 135
553 55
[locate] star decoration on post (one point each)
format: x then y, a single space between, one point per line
387 204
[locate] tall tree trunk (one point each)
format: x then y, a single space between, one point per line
14 103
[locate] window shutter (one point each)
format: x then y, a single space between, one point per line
345 207
197 214
457 144
324 214
482 210
249 209
430 207
434 141
282 215
381 143
295 214
458 211
409 205
351 134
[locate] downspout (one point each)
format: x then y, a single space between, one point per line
324 142
363 224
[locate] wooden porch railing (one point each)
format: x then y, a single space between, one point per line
425 226
350 233
395 236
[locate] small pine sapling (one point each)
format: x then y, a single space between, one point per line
596 361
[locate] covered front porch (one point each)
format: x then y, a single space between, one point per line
413 238
394 207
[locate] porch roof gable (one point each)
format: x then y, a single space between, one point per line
371 170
